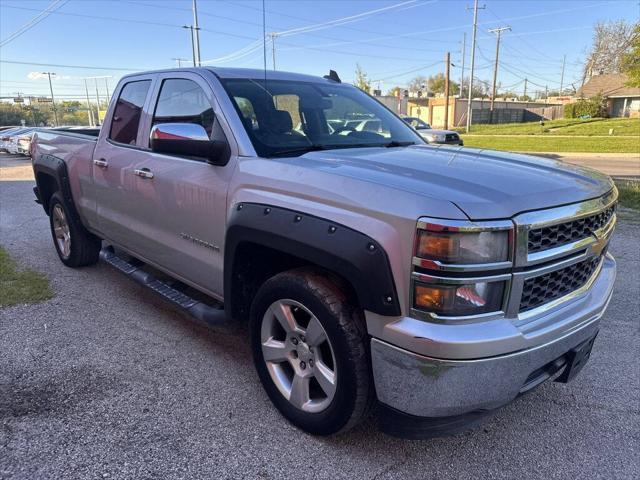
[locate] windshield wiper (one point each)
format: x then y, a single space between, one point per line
315 147
395 143
302 149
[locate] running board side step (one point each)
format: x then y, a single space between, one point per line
201 311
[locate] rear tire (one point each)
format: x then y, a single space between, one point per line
76 246
325 346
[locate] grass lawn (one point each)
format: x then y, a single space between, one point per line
627 144
20 285
629 193
567 126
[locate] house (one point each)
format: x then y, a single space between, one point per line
622 101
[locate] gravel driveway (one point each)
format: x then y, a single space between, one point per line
108 381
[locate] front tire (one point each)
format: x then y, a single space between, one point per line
76 246
310 348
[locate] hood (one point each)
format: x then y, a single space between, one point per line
484 184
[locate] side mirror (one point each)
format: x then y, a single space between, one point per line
188 140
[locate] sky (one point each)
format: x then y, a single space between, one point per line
392 40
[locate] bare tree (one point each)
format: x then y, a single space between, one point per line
611 40
417 83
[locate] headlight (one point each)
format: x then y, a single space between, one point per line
463 247
460 267
435 137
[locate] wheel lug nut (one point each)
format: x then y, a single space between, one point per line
303 365
294 341
302 339
310 363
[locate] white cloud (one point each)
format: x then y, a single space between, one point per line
39 75
35 75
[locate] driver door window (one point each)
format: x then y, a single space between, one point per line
183 101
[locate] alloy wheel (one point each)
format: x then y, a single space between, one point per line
298 355
61 231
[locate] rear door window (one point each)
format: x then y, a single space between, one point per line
127 113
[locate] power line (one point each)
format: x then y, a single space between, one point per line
34 21
70 66
423 67
97 17
349 19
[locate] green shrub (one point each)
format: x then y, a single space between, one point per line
592 107
570 110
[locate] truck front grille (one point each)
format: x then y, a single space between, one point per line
562 233
553 285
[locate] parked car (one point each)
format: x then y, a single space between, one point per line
372 268
20 141
23 142
444 137
5 137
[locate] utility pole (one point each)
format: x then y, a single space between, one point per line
564 60
546 94
447 61
273 36
179 61
464 44
97 102
473 61
525 89
89 109
53 101
196 34
193 45
106 86
498 32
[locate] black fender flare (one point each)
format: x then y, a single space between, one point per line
353 255
55 168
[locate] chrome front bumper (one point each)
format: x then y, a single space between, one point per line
435 370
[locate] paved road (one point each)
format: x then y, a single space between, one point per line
619 165
107 381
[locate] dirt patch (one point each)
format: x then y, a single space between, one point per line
22 394
14 168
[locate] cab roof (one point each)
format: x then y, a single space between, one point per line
255 73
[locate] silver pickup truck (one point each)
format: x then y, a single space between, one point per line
434 284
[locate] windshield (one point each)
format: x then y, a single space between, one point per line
293 117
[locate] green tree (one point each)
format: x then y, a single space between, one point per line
11 114
437 82
630 64
362 80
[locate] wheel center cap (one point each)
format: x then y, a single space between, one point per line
303 350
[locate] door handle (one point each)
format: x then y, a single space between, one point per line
101 163
143 172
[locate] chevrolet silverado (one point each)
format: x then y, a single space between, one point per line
432 284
